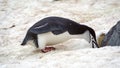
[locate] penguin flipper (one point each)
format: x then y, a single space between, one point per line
40 29
58 29
55 29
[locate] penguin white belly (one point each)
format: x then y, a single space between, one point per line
54 39
50 39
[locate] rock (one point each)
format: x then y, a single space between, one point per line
112 38
100 38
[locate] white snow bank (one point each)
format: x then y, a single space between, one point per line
107 57
16 16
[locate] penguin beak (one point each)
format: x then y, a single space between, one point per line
94 44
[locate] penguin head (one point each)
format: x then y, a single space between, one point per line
93 37
94 43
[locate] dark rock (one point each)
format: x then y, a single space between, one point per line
12 26
112 38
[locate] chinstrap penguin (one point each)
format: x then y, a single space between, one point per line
54 30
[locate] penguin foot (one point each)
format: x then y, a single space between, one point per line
47 49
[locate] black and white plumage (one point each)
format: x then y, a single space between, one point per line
53 30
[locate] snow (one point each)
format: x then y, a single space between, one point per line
16 16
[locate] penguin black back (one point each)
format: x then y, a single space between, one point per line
56 25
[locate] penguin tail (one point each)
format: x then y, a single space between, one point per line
27 37
23 43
